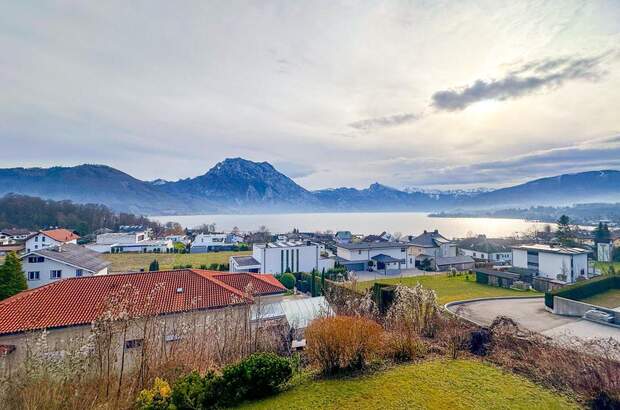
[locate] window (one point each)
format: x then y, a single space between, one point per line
497 256
55 274
297 270
79 272
36 246
43 239
359 252
131 344
282 261
36 239
34 275
35 259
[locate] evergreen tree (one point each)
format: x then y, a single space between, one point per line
564 232
154 266
313 283
601 233
323 281
12 278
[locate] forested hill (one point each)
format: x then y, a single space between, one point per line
21 211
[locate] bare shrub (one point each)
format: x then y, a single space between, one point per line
343 343
414 311
586 367
347 302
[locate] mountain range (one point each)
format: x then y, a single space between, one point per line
236 185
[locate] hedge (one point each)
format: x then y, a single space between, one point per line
585 289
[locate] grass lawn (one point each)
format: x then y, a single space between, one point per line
123 262
450 289
610 299
604 266
436 384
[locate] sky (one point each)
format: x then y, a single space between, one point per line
436 94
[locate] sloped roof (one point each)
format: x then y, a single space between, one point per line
482 244
429 240
385 258
74 255
453 260
80 301
61 235
259 284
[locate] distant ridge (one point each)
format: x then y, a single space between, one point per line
237 185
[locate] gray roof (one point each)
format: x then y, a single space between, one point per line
373 245
385 258
500 274
482 244
429 240
552 249
245 261
74 255
453 260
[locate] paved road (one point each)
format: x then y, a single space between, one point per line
531 314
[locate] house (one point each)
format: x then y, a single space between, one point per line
486 250
343 237
17 248
384 256
460 263
148 246
382 237
280 257
65 260
429 245
106 241
51 237
171 301
214 242
551 261
12 236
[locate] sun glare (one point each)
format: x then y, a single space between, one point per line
484 107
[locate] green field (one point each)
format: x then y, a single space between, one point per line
124 262
610 299
436 384
450 289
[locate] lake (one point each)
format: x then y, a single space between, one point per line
407 223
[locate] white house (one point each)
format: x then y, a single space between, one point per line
106 241
278 257
429 245
12 236
214 242
488 250
384 256
44 239
552 262
149 246
50 264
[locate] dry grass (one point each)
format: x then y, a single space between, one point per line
124 262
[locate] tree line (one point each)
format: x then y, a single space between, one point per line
27 212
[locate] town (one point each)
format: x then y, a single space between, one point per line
269 289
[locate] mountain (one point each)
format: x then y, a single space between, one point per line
236 185
561 190
241 185
90 184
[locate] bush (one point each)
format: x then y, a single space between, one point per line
401 346
287 279
257 376
343 343
196 392
155 398
582 290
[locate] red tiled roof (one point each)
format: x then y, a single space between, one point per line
260 284
61 235
79 301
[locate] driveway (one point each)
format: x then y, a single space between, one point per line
530 314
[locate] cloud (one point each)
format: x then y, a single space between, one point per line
294 170
387 121
598 153
530 77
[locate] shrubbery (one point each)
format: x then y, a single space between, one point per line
259 375
343 343
287 279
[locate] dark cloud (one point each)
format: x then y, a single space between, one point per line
381 122
530 77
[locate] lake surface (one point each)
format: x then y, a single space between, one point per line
407 223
